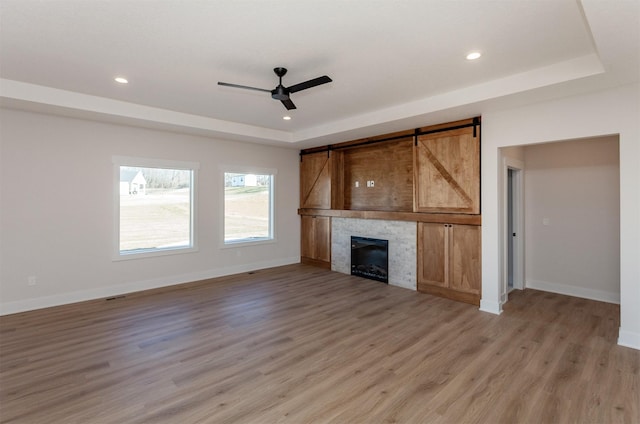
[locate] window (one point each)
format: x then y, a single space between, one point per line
154 207
248 207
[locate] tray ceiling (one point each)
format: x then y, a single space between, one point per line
393 64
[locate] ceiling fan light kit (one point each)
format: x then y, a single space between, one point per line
281 92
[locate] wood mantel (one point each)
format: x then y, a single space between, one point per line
395 216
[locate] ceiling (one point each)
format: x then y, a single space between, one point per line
394 64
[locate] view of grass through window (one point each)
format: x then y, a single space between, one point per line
155 208
247 207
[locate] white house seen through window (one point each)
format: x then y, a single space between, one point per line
155 211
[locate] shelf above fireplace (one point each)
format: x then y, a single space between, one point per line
448 218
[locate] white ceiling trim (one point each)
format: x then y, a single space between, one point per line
55 99
569 70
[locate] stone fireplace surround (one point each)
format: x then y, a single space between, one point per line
402 236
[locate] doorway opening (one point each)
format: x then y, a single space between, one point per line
560 230
514 226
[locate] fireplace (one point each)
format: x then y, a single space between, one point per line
403 244
370 258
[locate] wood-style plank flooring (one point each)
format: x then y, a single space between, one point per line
299 344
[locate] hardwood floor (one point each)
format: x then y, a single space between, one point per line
300 344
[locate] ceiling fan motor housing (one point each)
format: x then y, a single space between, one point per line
280 93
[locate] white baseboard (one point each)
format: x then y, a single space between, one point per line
602 296
629 339
17 306
490 306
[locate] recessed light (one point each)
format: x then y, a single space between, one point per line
121 80
286 118
473 55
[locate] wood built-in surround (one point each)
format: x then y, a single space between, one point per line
428 175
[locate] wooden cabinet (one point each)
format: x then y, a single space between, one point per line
315 248
447 171
449 261
428 175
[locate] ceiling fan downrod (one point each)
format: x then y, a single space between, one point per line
280 92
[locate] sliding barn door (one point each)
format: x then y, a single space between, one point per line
315 181
447 172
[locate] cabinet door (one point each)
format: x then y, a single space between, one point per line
315 181
464 258
447 172
322 238
432 254
449 261
307 236
315 245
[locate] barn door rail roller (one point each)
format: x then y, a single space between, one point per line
328 149
475 124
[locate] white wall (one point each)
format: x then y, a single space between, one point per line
572 218
56 192
610 112
513 152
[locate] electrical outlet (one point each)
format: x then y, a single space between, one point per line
32 280
372 183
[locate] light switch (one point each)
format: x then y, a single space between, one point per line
357 184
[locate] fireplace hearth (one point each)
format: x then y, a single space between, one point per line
370 258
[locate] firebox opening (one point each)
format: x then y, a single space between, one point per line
370 258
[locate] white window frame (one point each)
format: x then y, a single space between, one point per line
239 169
119 161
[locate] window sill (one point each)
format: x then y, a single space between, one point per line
150 253
247 242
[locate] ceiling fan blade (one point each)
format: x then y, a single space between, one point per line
311 83
226 84
288 104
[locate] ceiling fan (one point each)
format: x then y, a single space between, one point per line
281 92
